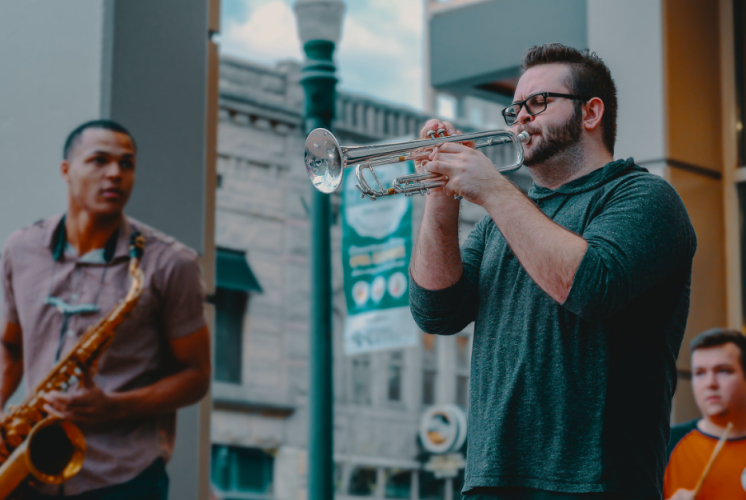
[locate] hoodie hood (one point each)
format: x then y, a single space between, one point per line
590 181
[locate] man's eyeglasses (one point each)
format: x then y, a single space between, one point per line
535 104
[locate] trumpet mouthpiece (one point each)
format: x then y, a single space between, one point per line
524 137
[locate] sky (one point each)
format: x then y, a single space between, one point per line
380 53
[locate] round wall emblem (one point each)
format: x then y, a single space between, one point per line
443 429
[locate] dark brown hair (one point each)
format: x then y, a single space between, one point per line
721 336
589 77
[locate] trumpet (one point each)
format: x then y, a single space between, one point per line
326 160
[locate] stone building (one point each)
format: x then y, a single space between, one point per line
259 426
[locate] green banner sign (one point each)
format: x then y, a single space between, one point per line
376 249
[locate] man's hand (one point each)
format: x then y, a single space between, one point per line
85 405
682 494
422 166
469 172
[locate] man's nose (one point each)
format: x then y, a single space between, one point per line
113 170
524 116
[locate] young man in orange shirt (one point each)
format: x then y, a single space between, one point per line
719 384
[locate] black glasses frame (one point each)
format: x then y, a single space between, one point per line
522 104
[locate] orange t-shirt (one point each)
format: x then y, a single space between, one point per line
689 456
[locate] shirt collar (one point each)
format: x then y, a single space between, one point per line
117 246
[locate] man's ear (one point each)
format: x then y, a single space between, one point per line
65 171
593 112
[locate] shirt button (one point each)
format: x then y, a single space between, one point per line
74 296
70 333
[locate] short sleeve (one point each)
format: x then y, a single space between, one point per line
9 311
182 293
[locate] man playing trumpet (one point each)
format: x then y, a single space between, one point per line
580 294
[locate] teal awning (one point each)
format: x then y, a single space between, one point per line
234 273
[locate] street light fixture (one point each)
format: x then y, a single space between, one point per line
319 29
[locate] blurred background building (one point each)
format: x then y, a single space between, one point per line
260 427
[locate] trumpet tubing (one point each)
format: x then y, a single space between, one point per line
326 160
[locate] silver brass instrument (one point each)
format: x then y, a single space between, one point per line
326 160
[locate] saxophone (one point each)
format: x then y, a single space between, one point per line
47 448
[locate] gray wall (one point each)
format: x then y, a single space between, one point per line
637 68
142 63
50 82
158 91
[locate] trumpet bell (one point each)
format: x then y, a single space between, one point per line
323 159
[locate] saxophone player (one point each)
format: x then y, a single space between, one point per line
60 276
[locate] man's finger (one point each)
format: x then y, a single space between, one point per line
57 399
431 124
440 167
56 413
450 129
453 147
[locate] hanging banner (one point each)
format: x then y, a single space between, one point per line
376 248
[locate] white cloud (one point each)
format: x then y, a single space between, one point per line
380 53
267 35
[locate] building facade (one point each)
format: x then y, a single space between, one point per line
259 426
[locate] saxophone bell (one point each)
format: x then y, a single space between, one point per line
52 453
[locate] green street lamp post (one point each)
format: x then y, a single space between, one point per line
319 29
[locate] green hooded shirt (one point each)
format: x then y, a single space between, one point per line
575 397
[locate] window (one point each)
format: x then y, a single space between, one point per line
429 369
739 36
235 281
428 387
242 470
230 308
458 483
462 391
363 481
396 367
431 487
463 354
742 225
361 380
399 483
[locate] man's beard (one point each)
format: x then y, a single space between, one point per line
555 140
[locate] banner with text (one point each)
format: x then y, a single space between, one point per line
376 248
